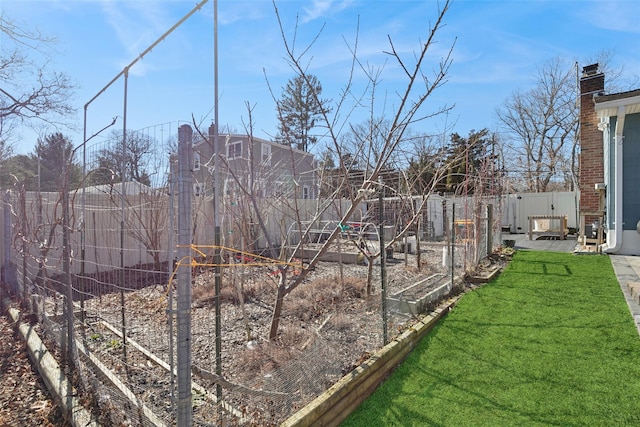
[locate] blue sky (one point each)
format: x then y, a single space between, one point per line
498 46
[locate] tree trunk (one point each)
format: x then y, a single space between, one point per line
157 262
369 275
277 307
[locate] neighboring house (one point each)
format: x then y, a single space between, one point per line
610 162
270 169
253 174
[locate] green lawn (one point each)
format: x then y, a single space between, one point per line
550 342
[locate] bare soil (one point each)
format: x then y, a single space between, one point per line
329 326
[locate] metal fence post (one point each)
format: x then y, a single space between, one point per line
185 189
66 261
383 258
9 268
453 242
489 229
171 266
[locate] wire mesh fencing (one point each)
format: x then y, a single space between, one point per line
97 263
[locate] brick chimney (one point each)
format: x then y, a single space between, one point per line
591 145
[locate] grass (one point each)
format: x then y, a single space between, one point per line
550 342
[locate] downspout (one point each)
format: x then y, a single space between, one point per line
614 245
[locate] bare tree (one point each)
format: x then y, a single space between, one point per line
30 92
147 221
144 194
541 141
410 103
543 124
138 149
6 129
392 137
423 165
40 229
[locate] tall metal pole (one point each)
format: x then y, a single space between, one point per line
147 50
83 225
8 270
66 256
383 263
171 267
216 208
453 240
185 188
123 195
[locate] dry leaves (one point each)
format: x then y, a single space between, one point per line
24 400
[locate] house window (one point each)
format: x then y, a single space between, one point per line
198 190
234 149
196 161
266 155
305 192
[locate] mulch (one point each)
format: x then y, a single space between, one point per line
24 399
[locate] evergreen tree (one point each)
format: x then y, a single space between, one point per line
56 164
465 159
298 110
19 170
